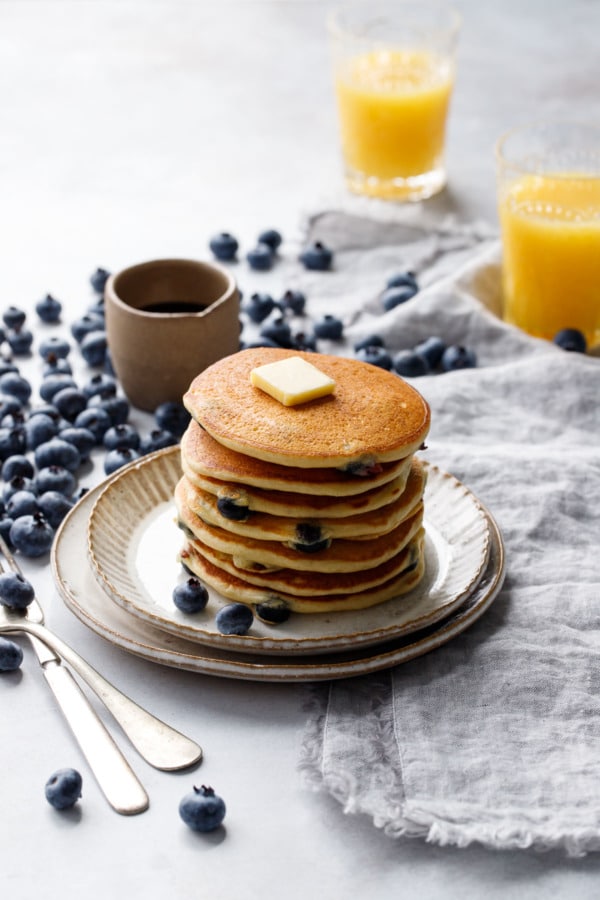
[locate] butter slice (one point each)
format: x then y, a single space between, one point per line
292 381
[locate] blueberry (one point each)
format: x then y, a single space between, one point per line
60 366
17 465
54 506
15 591
82 438
118 457
394 296
372 340
13 420
376 356
230 509
329 327
12 441
13 317
190 596
317 257
260 258
57 452
271 238
52 384
11 655
55 478
9 403
49 309
5 526
93 348
259 306
20 341
54 348
31 534
273 612
16 386
458 357
202 809
100 381
96 420
98 279
570 339
402 279
18 483
70 401
172 416
235 618
157 439
63 788
409 364
224 246
295 301
22 503
278 331
85 325
116 407
121 436
309 538
432 350
306 342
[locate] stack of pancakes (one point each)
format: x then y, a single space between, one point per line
312 508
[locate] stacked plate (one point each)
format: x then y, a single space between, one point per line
126 530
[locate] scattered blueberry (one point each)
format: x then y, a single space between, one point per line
55 478
59 366
17 465
303 341
394 296
570 339
260 258
172 416
11 655
431 349
70 401
376 356
372 340
121 436
54 348
99 382
15 591
32 535
63 788
85 325
278 331
317 257
98 279
329 328
18 483
82 438
22 503
295 301
117 407
20 341
259 307
402 279
202 809
13 317
190 596
118 457
49 309
54 506
271 238
235 618
96 420
409 364
16 386
157 439
458 357
12 441
52 384
93 348
224 246
57 452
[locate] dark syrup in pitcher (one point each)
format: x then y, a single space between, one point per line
173 306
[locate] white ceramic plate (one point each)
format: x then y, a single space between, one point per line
133 543
83 595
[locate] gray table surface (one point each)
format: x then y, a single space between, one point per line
132 130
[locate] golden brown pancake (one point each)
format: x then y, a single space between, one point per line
203 456
373 415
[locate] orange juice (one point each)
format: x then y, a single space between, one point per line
393 106
551 253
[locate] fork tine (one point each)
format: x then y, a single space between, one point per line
6 553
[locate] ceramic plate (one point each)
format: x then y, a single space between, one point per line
83 595
133 543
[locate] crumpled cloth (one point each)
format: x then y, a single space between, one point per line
493 738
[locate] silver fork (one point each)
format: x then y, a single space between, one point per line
158 743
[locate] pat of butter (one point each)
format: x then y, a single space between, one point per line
292 381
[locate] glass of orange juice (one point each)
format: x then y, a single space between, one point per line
549 208
394 73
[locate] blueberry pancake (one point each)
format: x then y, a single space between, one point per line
372 417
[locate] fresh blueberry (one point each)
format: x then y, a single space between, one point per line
70 402
82 438
121 436
117 407
9 405
17 465
55 478
432 350
100 381
329 328
46 409
18 483
86 325
190 596
13 420
63 788
54 348
376 356
54 506
402 279
13 317
294 301
394 296
235 618
232 509
278 331
372 340
15 591
202 809
22 503
118 457
259 306
224 246
458 357
93 348
303 341
32 535
49 309
52 384
19 341
260 258
16 386
57 452
11 655
96 420
60 366
98 279
317 256
409 364
157 439
172 416
570 339
271 238
12 441
273 612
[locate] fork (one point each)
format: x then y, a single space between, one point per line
158 743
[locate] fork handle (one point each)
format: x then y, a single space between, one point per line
158 743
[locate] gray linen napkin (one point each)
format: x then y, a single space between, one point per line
495 737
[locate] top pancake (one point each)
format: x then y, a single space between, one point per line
373 415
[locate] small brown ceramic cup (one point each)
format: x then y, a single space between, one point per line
166 321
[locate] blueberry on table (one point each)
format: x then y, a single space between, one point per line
303 341
70 401
54 383
98 279
202 809
54 506
259 306
54 348
19 341
117 407
371 340
15 591
63 788
32 535
100 381
22 503
409 364
96 420
60 366
402 279
329 328
294 301
17 465
55 478
395 296
317 257
93 347
12 441
157 439
11 655
571 339
85 325
278 331
81 438
16 386
18 483
271 237
14 317
118 457
190 596
57 452
431 349
458 357
172 416
224 246
261 257
376 356
235 618
121 436
49 309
